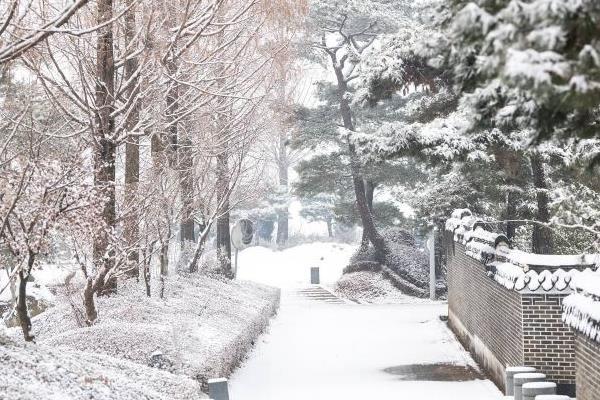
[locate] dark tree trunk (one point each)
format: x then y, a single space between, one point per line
355 167
369 193
186 181
329 227
223 234
22 311
132 149
511 214
105 147
542 240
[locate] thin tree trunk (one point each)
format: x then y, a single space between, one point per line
132 149
22 311
283 215
329 227
511 214
186 182
105 147
223 234
542 240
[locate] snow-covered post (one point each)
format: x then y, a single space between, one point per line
521 379
218 389
431 247
532 389
510 373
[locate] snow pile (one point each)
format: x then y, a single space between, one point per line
368 287
581 310
203 327
31 372
290 268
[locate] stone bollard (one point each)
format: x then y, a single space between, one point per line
218 389
315 279
532 389
552 397
523 378
509 381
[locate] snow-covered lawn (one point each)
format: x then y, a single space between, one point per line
322 350
203 328
33 372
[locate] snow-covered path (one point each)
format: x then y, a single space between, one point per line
320 348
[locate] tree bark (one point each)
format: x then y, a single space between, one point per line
511 214
355 166
329 227
105 146
132 149
22 311
369 193
283 215
542 240
223 234
186 182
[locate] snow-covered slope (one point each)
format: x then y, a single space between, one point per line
34 372
203 327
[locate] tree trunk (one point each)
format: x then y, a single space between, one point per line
329 227
369 193
283 166
355 167
542 240
511 214
22 312
223 234
186 182
105 147
132 149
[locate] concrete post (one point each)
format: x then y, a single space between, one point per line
509 382
218 389
523 378
532 389
314 276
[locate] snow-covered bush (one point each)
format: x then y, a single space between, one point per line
404 258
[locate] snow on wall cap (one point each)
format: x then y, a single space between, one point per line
518 370
217 380
539 385
523 378
581 310
516 278
551 397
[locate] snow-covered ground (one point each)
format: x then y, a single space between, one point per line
320 349
290 268
202 329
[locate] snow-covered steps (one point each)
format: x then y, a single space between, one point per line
319 293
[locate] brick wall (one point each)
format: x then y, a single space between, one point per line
587 353
548 344
503 327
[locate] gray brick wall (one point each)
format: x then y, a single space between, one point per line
548 343
588 374
518 329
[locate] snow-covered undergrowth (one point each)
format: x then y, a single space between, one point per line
368 287
203 327
32 372
406 263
